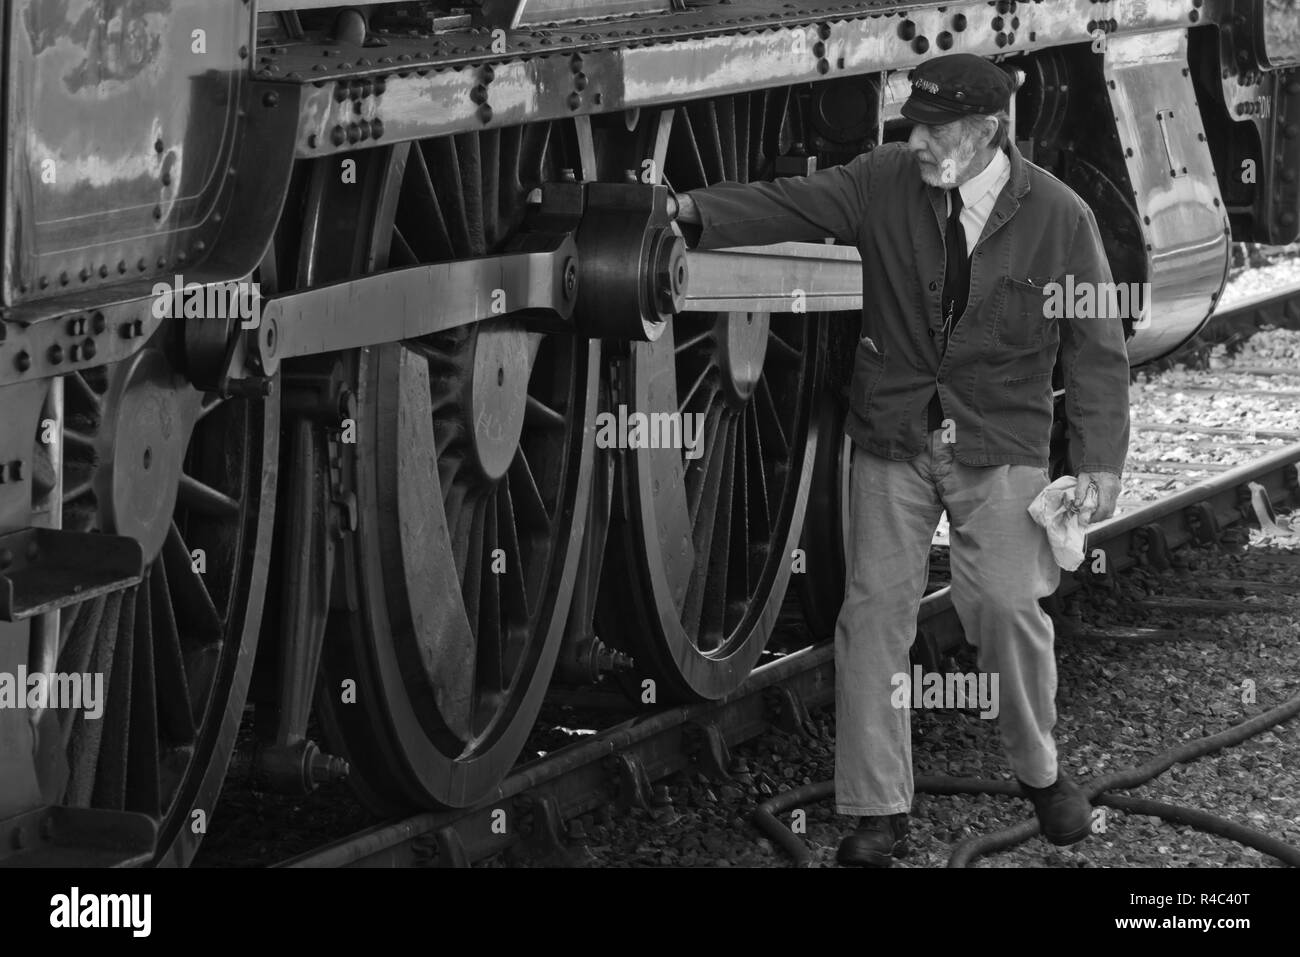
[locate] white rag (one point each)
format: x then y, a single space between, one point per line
1055 511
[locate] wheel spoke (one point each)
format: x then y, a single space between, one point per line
698 473
710 534
175 706
111 771
539 415
401 254
781 351
686 151
81 487
458 509
74 437
206 500
470 531
88 735
77 650
488 631
526 497
516 590
488 153
695 340
720 588
433 239
196 612
143 786
739 571
725 114
770 420
695 386
762 517
80 392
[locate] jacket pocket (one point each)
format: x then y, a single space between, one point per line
868 367
1027 400
1021 320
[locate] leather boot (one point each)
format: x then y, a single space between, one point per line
876 842
1064 814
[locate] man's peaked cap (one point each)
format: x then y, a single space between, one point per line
946 88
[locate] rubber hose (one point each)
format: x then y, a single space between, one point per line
1209 823
968 850
764 816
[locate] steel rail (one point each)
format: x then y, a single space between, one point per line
621 762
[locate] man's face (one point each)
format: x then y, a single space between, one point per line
945 152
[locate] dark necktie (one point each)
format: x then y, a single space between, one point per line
956 287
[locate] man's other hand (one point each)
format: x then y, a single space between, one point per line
1107 493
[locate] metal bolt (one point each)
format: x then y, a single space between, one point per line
22 361
327 769
56 354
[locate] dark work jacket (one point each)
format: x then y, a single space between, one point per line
995 380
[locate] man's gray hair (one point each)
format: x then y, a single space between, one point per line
1001 136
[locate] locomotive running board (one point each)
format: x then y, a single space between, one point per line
58 836
42 569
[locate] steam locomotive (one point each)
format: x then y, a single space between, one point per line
309 311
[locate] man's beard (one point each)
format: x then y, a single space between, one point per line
959 161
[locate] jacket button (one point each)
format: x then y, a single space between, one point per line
934 285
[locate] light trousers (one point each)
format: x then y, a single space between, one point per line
1001 566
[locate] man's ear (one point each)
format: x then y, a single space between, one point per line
990 127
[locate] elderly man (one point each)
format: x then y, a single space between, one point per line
950 409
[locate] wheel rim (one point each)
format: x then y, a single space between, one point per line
147 455
825 529
473 472
704 547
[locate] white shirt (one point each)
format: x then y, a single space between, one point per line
978 194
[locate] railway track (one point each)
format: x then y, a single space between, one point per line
529 810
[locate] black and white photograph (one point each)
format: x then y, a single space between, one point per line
597 436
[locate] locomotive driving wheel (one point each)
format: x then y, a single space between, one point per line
471 469
701 552
190 476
